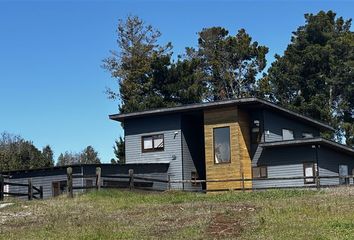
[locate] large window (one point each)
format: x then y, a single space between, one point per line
287 134
309 173
222 150
152 143
259 172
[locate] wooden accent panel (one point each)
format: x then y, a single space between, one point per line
240 145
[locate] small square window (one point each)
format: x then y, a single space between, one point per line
287 134
260 172
194 177
309 173
307 135
152 143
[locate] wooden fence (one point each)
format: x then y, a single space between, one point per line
32 191
131 181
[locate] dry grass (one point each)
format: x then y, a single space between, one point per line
299 214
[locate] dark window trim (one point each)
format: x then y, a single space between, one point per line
261 177
196 177
227 126
307 180
153 149
282 135
346 180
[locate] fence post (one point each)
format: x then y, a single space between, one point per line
30 189
41 192
131 179
169 181
2 187
243 182
98 178
318 185
69 173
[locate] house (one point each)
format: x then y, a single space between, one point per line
54 180
233 139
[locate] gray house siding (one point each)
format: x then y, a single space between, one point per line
275 122
288 162
45 182
329 161
170 127
284 162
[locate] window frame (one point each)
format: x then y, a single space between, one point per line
194 177
290 130
228 162
310 135
260 172
153 137
313 173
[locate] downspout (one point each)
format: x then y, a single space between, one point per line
181 135
263 129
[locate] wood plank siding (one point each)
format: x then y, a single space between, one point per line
240 162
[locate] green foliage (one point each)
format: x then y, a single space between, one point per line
17 154
89 156
119 151
86 156
68 158
315 74
230 63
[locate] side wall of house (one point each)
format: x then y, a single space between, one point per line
329 161
44 181
288 162
275 122
170 127
193 149
284 162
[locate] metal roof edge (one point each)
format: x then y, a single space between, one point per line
198 106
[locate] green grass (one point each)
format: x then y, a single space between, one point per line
109 214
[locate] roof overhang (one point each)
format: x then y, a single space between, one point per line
310 141
255 102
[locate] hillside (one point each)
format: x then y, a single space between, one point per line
300 214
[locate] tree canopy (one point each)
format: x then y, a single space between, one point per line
19 154
315 74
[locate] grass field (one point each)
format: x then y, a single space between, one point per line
283 214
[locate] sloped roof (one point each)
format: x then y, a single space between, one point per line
308 141
207 105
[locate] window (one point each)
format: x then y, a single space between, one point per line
222 151
194 176
288 134
309 171
343 171
58 188
152 143
259 172
307 135
256 136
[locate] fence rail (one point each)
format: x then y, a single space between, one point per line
32 191
134 181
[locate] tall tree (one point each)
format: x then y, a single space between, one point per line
131 66
315 74
89 156
119 151
19 154
48 156
230 63
68 158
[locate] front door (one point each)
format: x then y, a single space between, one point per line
343 171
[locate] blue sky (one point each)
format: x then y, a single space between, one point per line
52 85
